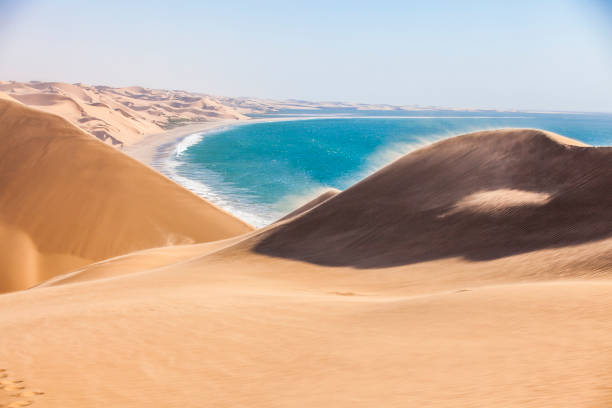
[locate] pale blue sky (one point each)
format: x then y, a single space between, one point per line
551 55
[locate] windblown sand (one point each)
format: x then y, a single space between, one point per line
378 296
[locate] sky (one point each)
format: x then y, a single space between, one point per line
526 55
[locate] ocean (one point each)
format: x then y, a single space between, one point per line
261 171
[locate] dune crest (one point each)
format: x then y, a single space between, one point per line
67 200
321 198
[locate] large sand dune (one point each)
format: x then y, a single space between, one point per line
479 196
472 273
66 200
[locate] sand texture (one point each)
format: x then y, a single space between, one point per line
471 273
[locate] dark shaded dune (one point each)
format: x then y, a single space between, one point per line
479 196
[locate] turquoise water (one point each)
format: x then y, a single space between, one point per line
261 171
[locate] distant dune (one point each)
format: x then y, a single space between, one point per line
119 116
126 116
67 199
262 106
471 273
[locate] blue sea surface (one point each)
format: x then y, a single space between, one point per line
261 171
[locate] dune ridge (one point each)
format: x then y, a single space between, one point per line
312 203
474 272
66 200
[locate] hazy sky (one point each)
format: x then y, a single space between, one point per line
531 54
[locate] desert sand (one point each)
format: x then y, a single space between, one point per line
68 199
120 116
474 272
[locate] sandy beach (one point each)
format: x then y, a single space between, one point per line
146 149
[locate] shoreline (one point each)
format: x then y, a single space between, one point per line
156 151
147 150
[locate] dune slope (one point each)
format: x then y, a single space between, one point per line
225 324
66 200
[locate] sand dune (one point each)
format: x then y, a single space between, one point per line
119 116
471 273
67 200
479 196
259 105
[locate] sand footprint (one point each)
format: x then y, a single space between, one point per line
12 385
16 389
22 403
28 393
